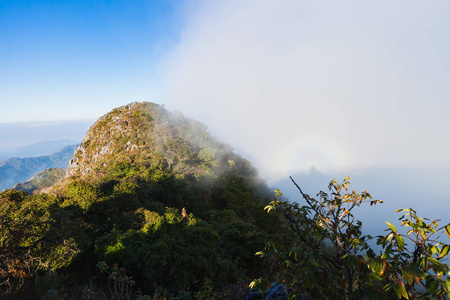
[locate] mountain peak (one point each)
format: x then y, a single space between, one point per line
114 132
136 138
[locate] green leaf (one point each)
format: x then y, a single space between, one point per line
376 276
414 274
389 237
377 265
400 242
433 286
424 262
392 227
436 263
431 249
447 230
444 251
388 287
400 291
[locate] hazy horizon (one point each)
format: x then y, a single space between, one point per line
21 134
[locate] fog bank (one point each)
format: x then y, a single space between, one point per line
340 87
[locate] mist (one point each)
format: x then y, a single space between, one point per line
16 135
324 87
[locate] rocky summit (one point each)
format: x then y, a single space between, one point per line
145 135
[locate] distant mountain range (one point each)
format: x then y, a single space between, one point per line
15 170
36 149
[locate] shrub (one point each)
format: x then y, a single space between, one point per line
327 256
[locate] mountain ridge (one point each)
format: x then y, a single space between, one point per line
47 147
15 170
41 180
153 195
144 135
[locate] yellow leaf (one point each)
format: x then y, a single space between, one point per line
447 230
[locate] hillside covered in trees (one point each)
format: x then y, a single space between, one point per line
153 207
150 198
41 180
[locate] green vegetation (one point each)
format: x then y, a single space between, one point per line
328 257
41 180
153 207
130 226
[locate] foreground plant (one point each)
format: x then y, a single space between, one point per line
325 255
417 271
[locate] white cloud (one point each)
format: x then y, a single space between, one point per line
40 124
335 85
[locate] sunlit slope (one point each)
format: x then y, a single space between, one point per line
41 180
166 156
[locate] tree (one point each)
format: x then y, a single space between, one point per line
33 237
325 254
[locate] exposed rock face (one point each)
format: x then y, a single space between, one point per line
114 132
103 135
146 134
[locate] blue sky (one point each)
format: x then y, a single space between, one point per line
69 60
301 87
